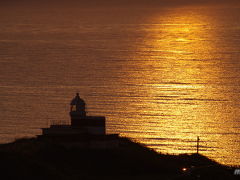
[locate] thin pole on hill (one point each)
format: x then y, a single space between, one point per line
198 144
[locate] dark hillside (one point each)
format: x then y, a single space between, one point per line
44 159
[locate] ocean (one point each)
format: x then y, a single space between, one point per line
162 76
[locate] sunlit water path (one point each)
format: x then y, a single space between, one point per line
161 76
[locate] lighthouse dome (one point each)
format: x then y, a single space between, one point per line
77 100
77 104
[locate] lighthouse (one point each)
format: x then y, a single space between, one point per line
81 123
78 105
77 111
84 131
79 118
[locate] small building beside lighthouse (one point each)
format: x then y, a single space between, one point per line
84 131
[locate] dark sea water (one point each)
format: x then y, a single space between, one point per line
162 76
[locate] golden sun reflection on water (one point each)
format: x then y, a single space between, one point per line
179 74
161 76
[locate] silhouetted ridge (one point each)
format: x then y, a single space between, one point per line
46 159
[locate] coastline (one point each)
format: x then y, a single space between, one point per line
47 159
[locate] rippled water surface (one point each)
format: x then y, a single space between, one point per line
161 76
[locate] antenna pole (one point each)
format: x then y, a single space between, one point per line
198 144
